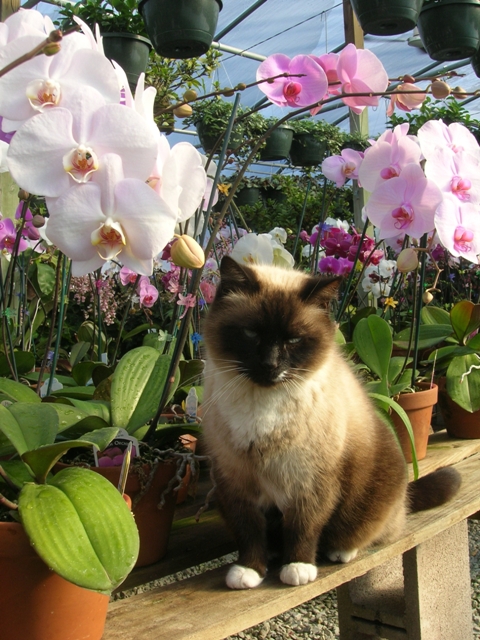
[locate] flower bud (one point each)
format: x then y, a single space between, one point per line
407 260
186 252
241 86
23 195
38 221
228 92
55 36
190 94
440 89
183 111
459 93
51 48
408 78
427 297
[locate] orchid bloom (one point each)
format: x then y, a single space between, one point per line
342 167
435 134
48 81
456 173
406 101
8 236
147 292
24 22
386 159
306 84
337 266
97 221
253 249
60 147
127 276
360 71
404 204
458 227
187 301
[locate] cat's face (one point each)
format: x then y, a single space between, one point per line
270 324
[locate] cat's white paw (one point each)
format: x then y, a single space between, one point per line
239 577
343 556
297 573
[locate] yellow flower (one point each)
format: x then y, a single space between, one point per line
224 188
390 302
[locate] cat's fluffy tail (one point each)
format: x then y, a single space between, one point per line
434 489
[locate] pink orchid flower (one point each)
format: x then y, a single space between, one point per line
458 227
337 266
344 167
8 236
148 295
360 71
456 173
435 134
127 276
328 62
190 300
307 84
405 204
66 145
96 221
386 159
406 101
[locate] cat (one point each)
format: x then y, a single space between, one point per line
292 432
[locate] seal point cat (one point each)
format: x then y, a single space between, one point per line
298 452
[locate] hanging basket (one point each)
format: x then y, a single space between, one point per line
475 62
130 51
208 139
248 196
278 144
180 28
450 29
307 150
387 17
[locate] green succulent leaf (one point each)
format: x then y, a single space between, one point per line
429 335
42 460
17 391
17 471
81 527
81 393
463 381
373 342
24 362
434 315
28 425
465 318
82 372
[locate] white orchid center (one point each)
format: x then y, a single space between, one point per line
109 239
154 182
43 93
80 163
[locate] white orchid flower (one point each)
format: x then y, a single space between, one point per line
181 181
279 234
98 221
62 146
49 81
254 249
25 22
281 257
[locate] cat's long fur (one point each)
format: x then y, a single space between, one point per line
291 430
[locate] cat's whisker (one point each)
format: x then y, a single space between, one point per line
220 393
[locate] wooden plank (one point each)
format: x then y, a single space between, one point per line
202 608
443 450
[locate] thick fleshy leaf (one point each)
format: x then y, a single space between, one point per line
42 460
465 318
463 381
17 472
429 335
30 425
17 391
82 372
434 315
81 393
373 342
82 528
24 362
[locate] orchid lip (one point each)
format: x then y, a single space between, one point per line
43 93
109 239
80 163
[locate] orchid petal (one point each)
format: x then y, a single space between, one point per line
183 180
458 227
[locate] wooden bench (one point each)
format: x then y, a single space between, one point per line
417 587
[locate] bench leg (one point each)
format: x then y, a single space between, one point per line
429 600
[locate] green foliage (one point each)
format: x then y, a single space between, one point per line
114 16
322 130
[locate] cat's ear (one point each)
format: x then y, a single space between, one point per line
236 277
320 290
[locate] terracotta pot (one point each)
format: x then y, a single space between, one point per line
458 422
153 524
419 408
36 603
189 442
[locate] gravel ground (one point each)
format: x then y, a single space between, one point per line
317 619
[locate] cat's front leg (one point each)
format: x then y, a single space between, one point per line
301 533
248 524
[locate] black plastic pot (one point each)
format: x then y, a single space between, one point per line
209 139
307 150
180 28
450 29
277 195
277 145
387 17
247 196
129 51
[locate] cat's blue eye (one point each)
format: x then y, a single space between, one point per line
294 340
249 333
